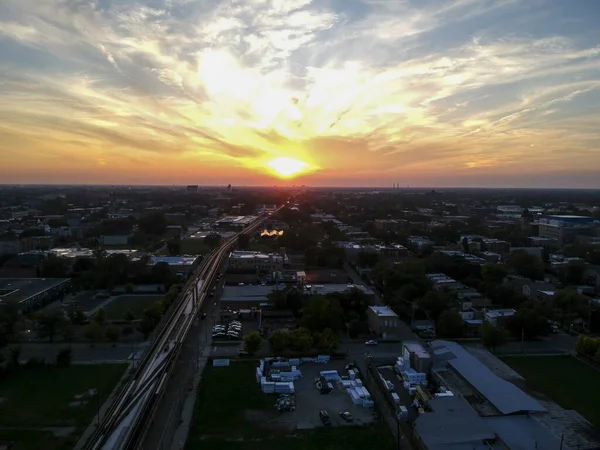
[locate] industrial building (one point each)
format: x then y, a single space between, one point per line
383 321
251 296
256 261
235 222
564 229
33 293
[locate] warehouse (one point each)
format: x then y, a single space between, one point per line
250 296
33 293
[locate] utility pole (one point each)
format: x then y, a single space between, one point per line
522 339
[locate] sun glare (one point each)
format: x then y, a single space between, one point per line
287 167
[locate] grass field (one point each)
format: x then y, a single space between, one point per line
39 398
228 394
117 308
567 381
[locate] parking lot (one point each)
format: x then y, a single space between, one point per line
309 400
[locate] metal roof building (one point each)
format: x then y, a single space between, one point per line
503 395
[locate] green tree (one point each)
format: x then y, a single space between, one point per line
367 259
68 333
243 241
93 332
569 302
587 346
64 357
174 247
100 316
212 240
527 323
449 324
146 326
435 303
492 337
574 272
252 342
10 319
113 334
129 288
279 340
77 316
526 265
153 223
322 312
493 273
331 340
48 324
129 316
301 340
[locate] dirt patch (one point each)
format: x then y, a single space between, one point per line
271 419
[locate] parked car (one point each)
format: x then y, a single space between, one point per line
345 415
243 353
324 416
371 342
203 316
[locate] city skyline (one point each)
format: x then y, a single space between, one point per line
343 93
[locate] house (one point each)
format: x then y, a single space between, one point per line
383 321
498 317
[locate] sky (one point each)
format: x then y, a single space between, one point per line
500 93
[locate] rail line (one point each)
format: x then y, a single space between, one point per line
126 421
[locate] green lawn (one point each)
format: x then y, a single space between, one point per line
35 440
117 308
226 396
567 381
40 397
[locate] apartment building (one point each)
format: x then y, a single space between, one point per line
252 261
564 229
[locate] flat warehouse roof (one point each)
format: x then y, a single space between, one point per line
21 289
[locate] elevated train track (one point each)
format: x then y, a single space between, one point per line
125 423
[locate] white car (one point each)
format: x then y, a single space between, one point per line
371 342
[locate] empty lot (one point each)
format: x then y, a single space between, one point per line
232 413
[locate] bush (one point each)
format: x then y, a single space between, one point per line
35 363
64 357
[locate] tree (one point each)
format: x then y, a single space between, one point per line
129 316
435 303
527 323
146 326
279 340
48 324
569 302
55 267
322 312
68 333
174 247
367 259
574 272
449 324
587 346
113 334
64 357
492 336
331 340
77 316
212 240
154 313
301 340
493 273
129 288
153 223
243 241
526 265
100 316
93 332
252 342
10 318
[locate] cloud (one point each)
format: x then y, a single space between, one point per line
366 91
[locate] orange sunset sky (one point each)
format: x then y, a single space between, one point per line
330 92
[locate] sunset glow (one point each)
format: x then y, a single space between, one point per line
287 167
355 92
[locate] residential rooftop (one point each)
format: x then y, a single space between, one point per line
383 311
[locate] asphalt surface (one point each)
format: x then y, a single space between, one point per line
191 358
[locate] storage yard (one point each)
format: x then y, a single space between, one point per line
444 396
241 406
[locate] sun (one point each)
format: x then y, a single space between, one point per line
287 167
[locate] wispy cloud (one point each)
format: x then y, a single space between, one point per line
369 92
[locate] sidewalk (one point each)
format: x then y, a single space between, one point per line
187 414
